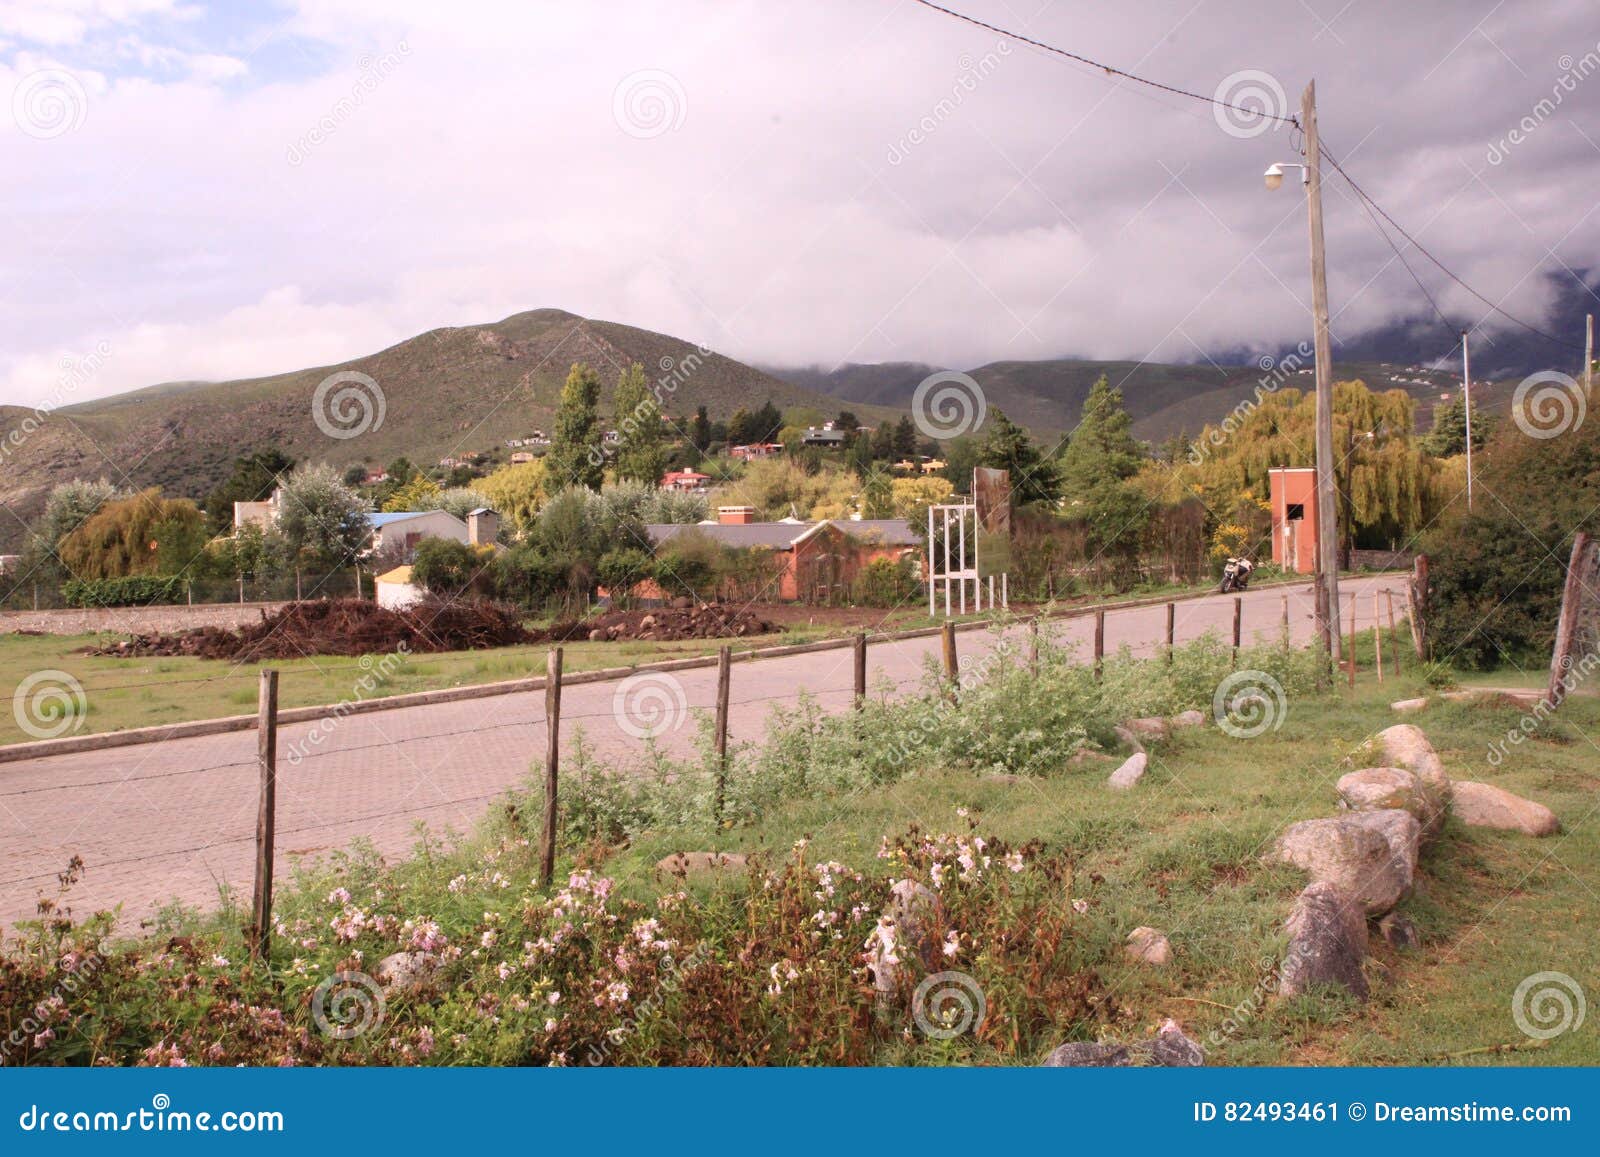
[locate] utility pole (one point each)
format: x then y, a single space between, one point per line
1327 525
1466 397
1588 356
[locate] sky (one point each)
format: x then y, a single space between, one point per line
193 191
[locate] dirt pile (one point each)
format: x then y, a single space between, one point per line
342 627
705 621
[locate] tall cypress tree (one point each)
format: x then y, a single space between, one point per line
575 457
641 456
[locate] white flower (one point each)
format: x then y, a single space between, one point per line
952 943
1081 907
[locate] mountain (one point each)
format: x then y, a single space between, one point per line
448 391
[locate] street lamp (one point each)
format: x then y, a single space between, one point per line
1274 174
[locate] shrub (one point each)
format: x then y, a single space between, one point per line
445 566
886 582
130 591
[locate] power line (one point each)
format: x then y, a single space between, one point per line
1110 69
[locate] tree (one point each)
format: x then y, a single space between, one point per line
883 443
765 422
911 497
254 478
877 494
740 423
1103 445
641 455
847 421
413 495
575 458
141 534
700 430
444 566
1008 447
457 500
322 521
68 506
517 492
1449 434
905 438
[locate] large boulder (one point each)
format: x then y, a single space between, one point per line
1171 1048
1150 727
695 863
1404 745
1131 771
1482 805
1189 719
1406 706
1380 788
1327 942
1401 831
406 971
1352 853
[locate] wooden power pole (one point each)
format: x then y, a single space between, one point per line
1327 508
1466 401
1588 355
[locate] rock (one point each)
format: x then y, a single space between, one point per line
1482 805
1088 755
909 927
1349 853
1171 1048
1130 773
1150 727
1127 737
1379 788
1408 705
405 971
1401 831
598 635
689 863
1148 946
1327 942
1404 745
1189 719
1399 932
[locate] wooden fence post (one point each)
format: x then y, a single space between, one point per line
1286 636
1033 645
1388 599
1352 642
266 814
724 679
552 765
861 670
1172 620
1238 626
1561 657
1417 605
952 666
1099 644
1377 639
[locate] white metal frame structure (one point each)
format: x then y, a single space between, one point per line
953 561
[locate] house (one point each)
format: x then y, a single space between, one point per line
1294 518
825 436
689 481
521 457
756 450
262 514
817 559
405 528
395 590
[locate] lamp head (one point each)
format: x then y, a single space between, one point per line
1273 176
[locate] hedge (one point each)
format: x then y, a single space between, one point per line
131 591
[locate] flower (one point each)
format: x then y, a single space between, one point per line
424 1041
219 961
952 943
1081 907
339 896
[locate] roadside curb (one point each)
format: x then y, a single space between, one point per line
69 745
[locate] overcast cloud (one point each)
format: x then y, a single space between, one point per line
204 194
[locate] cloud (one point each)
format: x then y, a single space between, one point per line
790 184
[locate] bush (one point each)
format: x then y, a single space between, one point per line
131 591
886 582
444 566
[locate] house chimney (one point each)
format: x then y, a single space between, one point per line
483 526
736 515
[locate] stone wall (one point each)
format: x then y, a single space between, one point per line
133 620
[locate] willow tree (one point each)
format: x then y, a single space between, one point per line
1387 486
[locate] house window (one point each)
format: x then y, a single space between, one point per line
1295 512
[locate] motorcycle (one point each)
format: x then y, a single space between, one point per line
1236 574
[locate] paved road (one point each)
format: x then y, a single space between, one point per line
176 820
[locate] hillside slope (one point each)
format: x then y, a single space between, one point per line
444 392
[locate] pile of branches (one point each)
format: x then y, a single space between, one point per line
343 627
